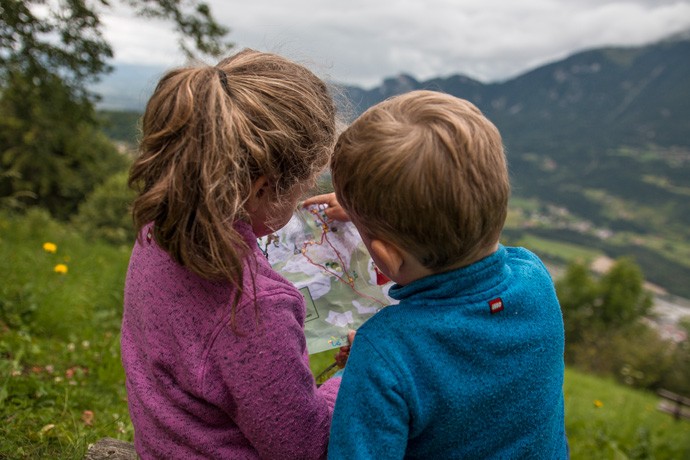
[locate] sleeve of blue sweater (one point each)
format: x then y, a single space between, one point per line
371 418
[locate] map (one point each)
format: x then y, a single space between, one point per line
328 262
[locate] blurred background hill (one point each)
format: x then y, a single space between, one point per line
598 145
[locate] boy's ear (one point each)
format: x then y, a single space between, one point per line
387 255
258 194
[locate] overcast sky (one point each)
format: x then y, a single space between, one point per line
363 41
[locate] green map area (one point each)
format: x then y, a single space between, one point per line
328 262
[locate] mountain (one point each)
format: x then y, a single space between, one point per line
600 141
598 146
128 87
618 95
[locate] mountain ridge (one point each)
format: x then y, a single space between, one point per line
559 89
600 141
598 146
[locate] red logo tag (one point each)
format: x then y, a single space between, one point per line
495 305
381 279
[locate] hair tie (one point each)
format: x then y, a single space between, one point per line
224 80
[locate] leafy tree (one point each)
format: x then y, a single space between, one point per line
577 293
51 147
64 38
603 331
623 297
121 126
105 213
615 300
677 378
50 52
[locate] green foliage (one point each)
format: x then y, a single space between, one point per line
634 355
616 300
106 212
192 20
121 126
48 43
17 198
677 378
605 334
623 298
50 143
65 40
577 293
55 152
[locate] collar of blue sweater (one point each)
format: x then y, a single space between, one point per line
476 278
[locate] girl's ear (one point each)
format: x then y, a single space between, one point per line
258 194
388 257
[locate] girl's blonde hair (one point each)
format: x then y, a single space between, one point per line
208 134
426 171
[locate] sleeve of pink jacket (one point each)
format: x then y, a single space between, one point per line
260 375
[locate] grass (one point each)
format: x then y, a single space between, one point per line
605 420
62 384
62 381
557 250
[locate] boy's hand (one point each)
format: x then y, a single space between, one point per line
333 211
344 352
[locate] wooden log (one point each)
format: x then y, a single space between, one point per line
111 449
674 404
674 397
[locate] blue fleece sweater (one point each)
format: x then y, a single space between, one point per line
469 364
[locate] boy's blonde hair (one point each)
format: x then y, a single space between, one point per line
425 171
207 134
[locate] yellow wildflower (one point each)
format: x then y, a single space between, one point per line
61 269
50 247
598 403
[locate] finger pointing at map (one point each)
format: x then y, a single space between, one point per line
333 211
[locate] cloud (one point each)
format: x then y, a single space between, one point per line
137 40
362 42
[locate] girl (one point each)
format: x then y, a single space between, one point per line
212 338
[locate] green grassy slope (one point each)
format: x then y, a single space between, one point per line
62 384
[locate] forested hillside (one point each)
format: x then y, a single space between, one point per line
598 145
598 148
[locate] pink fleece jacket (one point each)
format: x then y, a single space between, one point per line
196 389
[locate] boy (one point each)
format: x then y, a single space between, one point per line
469 364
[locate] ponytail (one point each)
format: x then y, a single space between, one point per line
207 134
